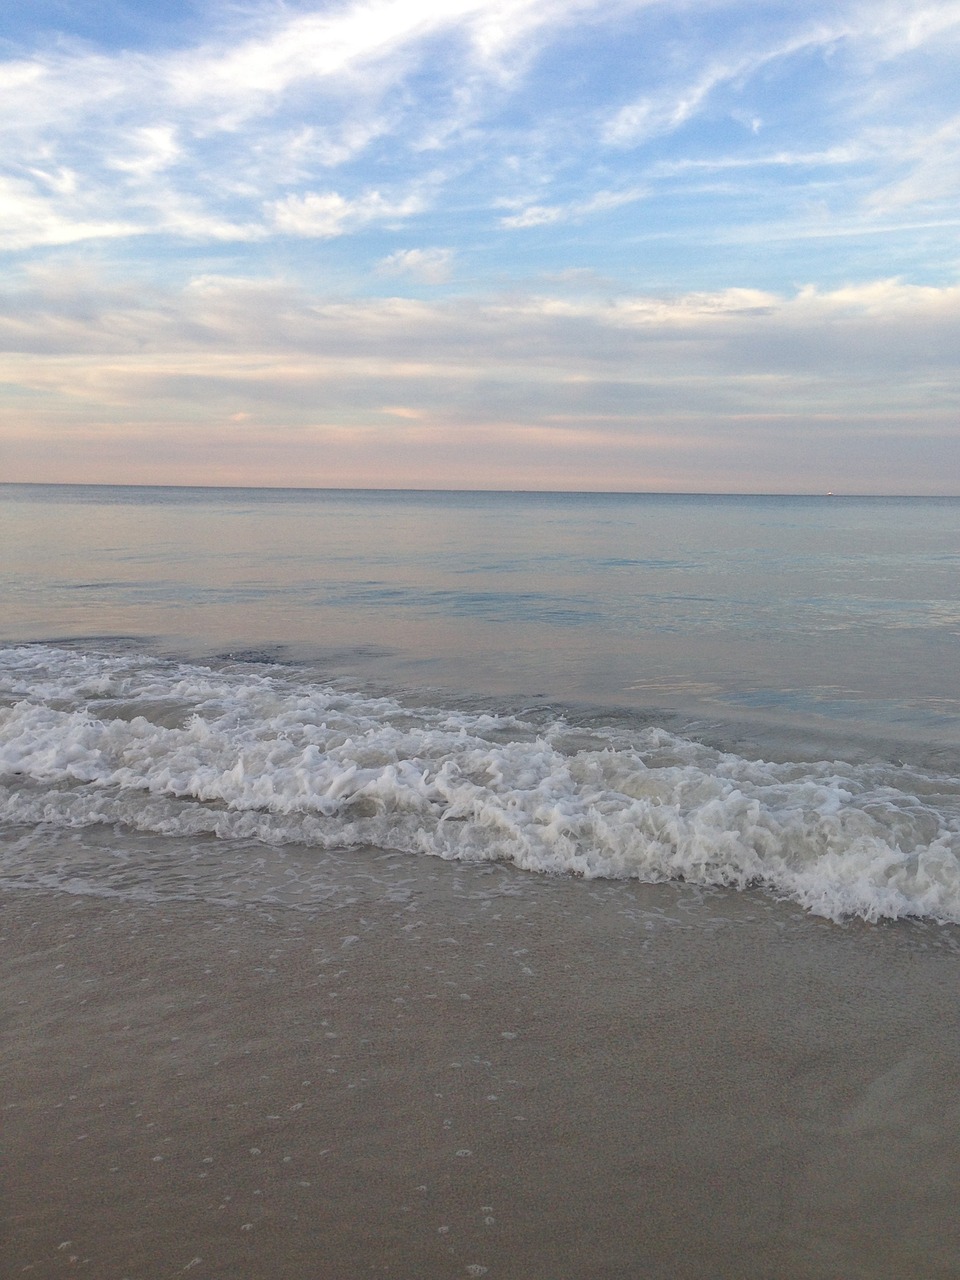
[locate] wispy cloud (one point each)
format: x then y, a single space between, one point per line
330 214
539 215
666 173
105 143
928 163
125 118
846 154
51 212
430 266
675 104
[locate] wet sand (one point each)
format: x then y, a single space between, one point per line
489 1074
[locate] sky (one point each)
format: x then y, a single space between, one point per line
704 246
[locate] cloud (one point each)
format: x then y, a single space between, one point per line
28 217
428 266
535 215
367 35
16 77
872 45
329 214
538 215
498 137
236 119
931 160
76 313
876 363
675 104
895 28
402 411
235 136
150 150
645 118
847 154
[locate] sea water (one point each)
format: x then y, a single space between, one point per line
251 695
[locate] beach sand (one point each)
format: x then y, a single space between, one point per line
484 1073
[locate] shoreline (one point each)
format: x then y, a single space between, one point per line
486 1073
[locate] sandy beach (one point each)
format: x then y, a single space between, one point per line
486 1074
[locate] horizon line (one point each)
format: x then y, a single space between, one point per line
636 493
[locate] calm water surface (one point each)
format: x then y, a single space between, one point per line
811 612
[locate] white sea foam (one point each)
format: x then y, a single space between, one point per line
185 751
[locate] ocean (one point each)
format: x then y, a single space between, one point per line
479 884
251 695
